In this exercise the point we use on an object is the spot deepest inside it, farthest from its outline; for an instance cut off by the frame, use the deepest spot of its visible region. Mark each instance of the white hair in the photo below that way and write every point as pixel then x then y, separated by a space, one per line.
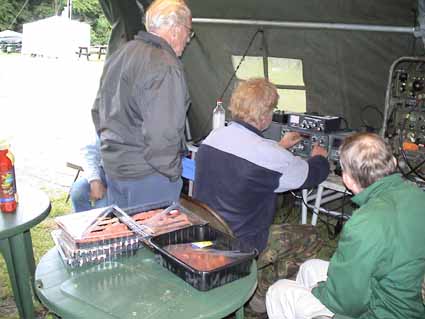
pixel 166 13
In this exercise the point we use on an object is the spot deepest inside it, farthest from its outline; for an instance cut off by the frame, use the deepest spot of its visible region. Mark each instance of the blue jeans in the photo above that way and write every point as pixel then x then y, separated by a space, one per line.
pixel 151 189
pixel 80 195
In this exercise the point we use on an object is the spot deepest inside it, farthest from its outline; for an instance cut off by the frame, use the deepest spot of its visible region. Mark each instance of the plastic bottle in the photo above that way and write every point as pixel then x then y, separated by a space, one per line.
pixel 8 195
pixel 219 115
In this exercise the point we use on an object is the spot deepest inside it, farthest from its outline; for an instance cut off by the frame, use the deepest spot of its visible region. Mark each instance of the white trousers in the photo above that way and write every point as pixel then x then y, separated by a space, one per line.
pixel 288 299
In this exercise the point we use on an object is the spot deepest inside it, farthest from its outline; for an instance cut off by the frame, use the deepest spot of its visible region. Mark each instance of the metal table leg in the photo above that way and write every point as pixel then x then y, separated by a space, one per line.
pixel 304 207
pixel 317 204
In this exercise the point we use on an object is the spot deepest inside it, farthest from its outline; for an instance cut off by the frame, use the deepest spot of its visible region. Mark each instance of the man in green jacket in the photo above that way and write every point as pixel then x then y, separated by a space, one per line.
pixel 377 269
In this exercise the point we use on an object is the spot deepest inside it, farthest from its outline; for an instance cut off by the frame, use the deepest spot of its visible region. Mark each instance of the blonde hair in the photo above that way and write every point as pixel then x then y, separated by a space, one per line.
pixel 253 99
pixel 366 157
pixel 166 13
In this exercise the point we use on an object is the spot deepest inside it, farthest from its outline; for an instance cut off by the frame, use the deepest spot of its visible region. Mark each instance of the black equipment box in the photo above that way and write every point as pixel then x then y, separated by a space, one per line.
pixel 329 141
pixel 316 123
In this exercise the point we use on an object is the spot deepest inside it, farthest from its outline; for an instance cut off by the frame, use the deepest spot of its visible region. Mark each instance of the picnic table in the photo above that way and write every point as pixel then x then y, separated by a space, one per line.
pixel 98 50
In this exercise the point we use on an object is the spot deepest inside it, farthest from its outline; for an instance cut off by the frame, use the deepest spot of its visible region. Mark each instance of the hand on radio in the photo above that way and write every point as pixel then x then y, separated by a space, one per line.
pixel 290 139
pixel 318 150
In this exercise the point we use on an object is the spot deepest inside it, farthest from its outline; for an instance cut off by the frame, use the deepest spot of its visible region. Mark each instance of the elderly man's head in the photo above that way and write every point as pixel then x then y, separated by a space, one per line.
pixel 253 102
pixel 365 159
pixel 172 21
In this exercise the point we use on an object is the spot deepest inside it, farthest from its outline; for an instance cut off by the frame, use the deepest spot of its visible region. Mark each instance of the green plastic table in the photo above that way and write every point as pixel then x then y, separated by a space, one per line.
pixel 134 287
pixel 16 245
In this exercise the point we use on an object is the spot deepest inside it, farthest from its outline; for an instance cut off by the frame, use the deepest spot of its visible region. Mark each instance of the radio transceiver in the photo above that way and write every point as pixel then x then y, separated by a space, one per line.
pixel 316 123
pixel 329 141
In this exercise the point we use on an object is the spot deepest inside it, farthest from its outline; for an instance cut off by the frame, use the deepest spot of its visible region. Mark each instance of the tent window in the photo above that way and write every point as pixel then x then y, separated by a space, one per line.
pixel 286 74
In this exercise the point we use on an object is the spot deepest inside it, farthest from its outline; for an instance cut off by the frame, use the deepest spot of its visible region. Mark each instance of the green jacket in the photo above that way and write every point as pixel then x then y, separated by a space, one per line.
pixel 377 269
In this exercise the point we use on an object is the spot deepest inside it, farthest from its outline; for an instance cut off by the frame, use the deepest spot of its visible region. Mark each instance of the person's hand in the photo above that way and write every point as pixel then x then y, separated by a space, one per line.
pixel 290 139
pixel 318 150
pixel 97 190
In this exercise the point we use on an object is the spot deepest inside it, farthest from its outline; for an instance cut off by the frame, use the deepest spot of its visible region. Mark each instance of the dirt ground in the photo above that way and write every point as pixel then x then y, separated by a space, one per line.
pixel 45 114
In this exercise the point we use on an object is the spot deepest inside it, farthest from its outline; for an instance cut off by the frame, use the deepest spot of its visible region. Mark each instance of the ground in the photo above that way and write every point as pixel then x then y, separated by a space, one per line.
pixel 45 114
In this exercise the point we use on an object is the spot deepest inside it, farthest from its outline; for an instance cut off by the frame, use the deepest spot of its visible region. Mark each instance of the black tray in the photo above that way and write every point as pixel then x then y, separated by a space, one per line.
pixel 203 280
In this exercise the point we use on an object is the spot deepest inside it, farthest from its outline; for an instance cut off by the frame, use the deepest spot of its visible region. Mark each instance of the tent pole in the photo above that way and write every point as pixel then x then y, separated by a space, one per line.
pixel 307 25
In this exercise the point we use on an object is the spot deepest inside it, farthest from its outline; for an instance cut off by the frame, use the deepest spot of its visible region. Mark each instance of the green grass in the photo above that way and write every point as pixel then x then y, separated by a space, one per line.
pixel 42 242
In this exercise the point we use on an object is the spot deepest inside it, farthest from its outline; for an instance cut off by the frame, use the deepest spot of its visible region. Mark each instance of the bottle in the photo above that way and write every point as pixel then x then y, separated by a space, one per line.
pixel 8 195
pixel 219 115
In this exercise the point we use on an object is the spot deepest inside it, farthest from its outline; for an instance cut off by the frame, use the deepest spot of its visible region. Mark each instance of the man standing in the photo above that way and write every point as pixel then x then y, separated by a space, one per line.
pixel 239 173
pixel 377 269
pixel 140 109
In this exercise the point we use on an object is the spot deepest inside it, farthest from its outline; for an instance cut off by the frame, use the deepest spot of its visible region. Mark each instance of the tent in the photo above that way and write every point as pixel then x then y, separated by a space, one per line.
pixel 55 37
pixel 10 36
pixel 345 49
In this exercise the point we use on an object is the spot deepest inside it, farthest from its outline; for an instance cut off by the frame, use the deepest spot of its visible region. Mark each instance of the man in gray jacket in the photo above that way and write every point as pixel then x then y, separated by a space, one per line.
pixel 140 109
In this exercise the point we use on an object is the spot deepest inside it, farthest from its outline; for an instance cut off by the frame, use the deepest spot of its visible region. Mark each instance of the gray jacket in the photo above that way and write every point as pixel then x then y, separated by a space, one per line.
pixel 140 110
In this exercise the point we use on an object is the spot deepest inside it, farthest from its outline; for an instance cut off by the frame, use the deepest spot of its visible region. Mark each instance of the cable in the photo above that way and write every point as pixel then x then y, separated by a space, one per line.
pixel 240 62
pixel 365 124
pixel 390 120
pixel 230 81
pixel 404 155
pixel 327 212
pixel 345 122
pixel 340 222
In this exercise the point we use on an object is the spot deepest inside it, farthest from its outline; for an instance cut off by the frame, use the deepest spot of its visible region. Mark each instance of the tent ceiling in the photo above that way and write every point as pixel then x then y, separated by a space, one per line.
pixel 343 70
pixel 389 12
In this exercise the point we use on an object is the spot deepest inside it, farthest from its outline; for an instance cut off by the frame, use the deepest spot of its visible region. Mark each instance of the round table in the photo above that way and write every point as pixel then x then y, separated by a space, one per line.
pixel 134 287
pixel 16 244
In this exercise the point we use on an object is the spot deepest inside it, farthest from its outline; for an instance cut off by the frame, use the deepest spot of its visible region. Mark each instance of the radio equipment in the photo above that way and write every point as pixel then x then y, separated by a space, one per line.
pixel 404 116
pixel 329 141
pixel 315 123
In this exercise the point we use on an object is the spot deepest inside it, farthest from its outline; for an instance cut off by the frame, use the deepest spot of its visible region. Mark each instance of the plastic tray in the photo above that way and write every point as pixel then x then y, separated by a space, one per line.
pixel 203 280
pixel 77 253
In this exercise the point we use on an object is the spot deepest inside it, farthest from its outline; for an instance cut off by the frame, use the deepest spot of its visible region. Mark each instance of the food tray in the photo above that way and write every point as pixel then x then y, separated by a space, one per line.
pixel 204 280
pixel 93 237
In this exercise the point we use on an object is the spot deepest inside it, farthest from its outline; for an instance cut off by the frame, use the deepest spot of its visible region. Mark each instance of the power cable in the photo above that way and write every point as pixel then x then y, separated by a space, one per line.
pixel 331 234
pixel 365 124
pixel 230 81
pixel 413 170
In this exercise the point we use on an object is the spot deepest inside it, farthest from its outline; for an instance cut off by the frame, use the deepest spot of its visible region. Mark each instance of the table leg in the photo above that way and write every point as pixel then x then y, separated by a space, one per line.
pixel 20 266
pixel 317 204
pixel 239 314
pixel 30 257
pixel 304 207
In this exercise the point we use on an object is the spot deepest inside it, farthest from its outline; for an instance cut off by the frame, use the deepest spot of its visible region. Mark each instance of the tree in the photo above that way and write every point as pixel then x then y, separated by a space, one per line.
pixel 91 12
pixel 14 13
pixel 25 11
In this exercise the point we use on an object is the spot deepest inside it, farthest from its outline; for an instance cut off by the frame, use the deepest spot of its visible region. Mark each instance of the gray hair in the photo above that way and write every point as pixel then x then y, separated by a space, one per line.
pixel 366 157
pixel 166 13
pixel 252 99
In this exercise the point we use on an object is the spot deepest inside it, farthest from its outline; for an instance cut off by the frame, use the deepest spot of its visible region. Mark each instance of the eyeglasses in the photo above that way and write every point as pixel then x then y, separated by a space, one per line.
pixel 191 33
